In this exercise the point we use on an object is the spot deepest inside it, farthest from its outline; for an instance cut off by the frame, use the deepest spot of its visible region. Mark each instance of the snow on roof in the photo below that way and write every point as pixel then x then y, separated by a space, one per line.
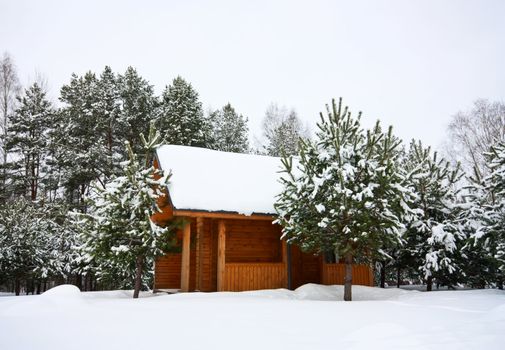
pixel 208 180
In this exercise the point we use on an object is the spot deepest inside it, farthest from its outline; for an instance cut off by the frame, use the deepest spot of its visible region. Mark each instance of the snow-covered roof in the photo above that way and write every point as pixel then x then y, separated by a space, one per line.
pixel 208 180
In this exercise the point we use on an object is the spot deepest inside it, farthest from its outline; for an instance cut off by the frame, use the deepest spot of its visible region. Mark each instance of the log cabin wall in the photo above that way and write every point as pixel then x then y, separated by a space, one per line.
pixel 247 241
pixel 252 242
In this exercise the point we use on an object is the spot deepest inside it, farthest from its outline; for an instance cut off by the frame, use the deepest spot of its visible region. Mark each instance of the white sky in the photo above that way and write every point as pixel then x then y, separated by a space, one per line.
pixel 411 64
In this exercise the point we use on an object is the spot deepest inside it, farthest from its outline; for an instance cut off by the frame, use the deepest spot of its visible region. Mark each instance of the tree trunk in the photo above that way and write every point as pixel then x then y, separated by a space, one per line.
pixel 78 281
pixel 348 277
pixel 499 282
pixel 17 286
pixel 138 276
pixel 398 277
pixel 383 274
pixel 429 284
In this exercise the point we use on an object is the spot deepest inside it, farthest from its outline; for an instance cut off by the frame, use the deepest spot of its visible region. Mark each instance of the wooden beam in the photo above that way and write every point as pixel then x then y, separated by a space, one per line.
pixel 285 261
pixel 221 255
pixel 322 266
pixel 284 251
pixel 186 240
pixel 222 215
pixel 199 240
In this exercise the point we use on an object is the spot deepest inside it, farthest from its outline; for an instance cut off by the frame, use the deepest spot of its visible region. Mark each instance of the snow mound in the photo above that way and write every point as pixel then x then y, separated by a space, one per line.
pixel 336 292
pixel 313 291
pixel 63 291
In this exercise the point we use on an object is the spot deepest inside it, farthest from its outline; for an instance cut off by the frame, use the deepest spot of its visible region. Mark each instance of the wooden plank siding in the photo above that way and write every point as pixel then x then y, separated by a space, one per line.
pixel 252 276
pixel 335 274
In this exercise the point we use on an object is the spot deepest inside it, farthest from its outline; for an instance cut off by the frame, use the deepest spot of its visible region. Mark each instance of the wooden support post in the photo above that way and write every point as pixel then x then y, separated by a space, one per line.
pixel 221 256
pixel 199 238
pixel 322 264
pixel 286 260
pixel 284 251
pixel 186 240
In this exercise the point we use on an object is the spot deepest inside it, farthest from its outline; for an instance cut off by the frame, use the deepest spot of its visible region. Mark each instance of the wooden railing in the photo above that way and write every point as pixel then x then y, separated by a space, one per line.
pixel 252 276
pixel 335 274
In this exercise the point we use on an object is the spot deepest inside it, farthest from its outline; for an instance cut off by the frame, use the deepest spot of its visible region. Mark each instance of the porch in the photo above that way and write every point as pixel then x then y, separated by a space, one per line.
pixel 245 253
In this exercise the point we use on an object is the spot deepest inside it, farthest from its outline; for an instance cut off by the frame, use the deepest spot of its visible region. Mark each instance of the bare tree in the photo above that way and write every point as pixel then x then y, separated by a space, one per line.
pixel 9 88
pixel 473 132
pixel 282 129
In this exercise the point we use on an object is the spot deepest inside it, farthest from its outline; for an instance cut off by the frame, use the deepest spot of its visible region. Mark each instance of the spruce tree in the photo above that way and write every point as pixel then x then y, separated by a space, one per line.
pixel 181 120
pixel 344 194
pixel 229 130
pixel 119 238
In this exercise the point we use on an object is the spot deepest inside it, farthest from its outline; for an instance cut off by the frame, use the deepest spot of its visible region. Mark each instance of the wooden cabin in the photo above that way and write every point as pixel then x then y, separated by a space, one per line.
pixel 229 242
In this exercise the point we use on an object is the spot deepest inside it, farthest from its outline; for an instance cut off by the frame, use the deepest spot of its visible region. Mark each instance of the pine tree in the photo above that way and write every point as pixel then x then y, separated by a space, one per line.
pixel 27 138
pixel 138 107
pixel 107 115
pixel 181 120
pixel 229 130
pixel 87 137
pixel 120 239
pixel 27 246
pixel 9 89
pixel 433 237
pixel 82 155
pixel 485 219
pixel 345 195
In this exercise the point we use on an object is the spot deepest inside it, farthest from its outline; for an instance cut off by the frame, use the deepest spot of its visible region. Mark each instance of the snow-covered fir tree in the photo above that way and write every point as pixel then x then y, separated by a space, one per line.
pixel 28 140
pixel 344 194
pixel 119 238
pixel 181 120
pixel 282 130
pixel 229 130
pixel 433 237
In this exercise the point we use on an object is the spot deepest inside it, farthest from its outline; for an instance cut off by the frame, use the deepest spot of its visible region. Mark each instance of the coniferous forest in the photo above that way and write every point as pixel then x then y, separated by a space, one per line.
pixel 75 180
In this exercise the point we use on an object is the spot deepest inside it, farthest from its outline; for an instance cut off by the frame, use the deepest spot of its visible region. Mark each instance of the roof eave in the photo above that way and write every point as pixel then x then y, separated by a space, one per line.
pixel 222 214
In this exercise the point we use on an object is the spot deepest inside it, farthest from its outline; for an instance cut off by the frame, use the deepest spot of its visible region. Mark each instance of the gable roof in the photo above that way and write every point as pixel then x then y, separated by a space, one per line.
pixel 208 180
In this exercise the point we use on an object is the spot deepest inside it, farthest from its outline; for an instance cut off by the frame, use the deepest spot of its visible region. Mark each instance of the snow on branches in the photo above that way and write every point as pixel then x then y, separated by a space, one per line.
pixel 346 194
pixel 120 239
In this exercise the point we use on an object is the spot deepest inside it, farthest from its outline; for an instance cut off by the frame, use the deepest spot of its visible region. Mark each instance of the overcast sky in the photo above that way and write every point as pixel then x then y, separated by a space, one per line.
pixel 412 64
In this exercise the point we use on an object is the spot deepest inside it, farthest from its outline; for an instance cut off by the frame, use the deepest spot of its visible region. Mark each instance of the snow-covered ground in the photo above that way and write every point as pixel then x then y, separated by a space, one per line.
pixel 312 317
